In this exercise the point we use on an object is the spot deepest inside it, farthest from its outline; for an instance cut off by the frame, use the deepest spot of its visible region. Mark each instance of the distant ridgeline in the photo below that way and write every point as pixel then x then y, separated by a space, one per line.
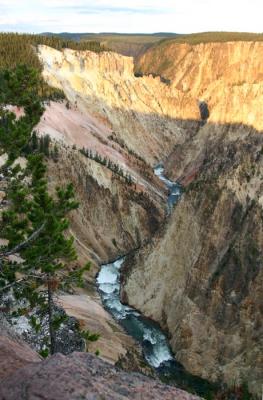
pixel 215 37
pixel 18 50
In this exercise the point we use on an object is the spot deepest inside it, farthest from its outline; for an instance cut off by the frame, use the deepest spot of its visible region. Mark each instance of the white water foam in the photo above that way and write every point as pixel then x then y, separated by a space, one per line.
pixel 108 274
pixel 109 286
pixel 160 350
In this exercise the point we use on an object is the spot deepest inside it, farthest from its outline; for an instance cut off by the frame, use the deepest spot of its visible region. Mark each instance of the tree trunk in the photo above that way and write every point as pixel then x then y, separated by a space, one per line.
pixel 52 333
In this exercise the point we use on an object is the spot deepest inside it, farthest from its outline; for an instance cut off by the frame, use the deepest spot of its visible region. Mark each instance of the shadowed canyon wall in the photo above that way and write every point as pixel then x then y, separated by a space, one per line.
pixel 202 277
pixel 113 217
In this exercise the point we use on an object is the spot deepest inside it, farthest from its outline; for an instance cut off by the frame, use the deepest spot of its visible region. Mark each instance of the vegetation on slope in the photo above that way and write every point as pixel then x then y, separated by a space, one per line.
pixel 17 49
pixel 115 168
pixel 20 50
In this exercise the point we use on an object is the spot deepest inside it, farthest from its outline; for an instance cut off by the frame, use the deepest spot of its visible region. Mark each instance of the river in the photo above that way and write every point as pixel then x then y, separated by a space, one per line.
pixel 148 334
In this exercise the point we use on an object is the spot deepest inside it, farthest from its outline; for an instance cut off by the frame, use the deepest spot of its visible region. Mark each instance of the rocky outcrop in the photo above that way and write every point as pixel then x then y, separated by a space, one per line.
pixel 14 353
pixel 73 377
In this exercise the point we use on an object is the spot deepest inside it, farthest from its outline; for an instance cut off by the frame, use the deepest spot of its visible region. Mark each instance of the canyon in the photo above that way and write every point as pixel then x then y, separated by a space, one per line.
pixel 197 272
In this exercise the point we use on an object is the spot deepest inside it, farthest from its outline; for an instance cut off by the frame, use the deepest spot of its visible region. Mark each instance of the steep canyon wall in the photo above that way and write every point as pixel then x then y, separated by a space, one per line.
pixel 200 278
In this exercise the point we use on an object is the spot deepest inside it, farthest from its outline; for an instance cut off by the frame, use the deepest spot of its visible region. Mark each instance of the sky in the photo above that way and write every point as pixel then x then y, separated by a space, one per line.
pixel 144 16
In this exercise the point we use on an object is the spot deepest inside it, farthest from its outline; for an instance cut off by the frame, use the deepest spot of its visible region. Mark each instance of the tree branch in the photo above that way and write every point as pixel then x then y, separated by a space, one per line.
pixel 11 285
pixel 24 244
pixel 20 281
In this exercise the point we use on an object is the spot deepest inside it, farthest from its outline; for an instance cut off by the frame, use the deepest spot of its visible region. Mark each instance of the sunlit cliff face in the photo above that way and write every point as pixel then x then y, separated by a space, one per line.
pixel 151 116
pixel 109 79
pixel 227 76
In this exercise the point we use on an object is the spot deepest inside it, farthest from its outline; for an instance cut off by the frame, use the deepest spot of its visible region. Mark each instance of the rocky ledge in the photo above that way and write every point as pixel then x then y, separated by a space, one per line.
pixel 73 377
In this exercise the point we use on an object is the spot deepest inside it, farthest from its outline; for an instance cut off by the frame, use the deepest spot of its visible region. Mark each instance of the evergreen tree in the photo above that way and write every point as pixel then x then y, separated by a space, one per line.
pixel 46 145
pixel 41 145
pixel 34 142
pixel 34 224
pixel 18 49
pixel 55 154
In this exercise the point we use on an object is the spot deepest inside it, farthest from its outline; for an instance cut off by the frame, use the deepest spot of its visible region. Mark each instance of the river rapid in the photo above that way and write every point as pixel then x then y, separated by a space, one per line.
pixel 154 342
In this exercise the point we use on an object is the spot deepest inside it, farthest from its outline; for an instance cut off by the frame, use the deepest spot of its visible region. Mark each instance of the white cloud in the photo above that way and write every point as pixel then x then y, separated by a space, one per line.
pixel 182 16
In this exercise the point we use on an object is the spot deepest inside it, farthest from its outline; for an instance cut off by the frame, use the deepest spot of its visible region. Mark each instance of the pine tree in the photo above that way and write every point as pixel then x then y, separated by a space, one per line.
pixel 46 144
pixel 41 145
pixel 55 154
pixel 35 223
pixel 34 141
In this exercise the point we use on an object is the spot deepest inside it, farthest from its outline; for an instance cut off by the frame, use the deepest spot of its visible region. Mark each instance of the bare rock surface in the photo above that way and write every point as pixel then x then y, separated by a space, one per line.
pixel 14 353
pixel 13 356
pixel 83 376
pixel 113 342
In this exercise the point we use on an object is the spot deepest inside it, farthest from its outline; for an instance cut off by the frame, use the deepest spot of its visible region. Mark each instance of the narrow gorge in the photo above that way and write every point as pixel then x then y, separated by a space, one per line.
pixel 165 154
pixel 198 273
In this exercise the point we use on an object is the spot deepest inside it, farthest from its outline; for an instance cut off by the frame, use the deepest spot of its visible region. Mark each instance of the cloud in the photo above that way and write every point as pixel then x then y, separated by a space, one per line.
pixel 103 9
pixel 131 16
